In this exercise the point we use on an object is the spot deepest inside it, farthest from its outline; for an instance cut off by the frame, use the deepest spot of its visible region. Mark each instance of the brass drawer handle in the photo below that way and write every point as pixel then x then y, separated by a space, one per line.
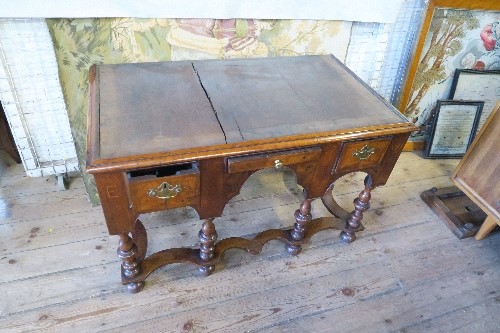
pixel 364 153
pixel 278 164
pixel 165 191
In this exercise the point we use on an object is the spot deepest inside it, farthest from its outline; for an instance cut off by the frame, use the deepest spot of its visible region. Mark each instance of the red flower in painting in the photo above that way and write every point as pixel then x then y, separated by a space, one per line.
pixel 487 37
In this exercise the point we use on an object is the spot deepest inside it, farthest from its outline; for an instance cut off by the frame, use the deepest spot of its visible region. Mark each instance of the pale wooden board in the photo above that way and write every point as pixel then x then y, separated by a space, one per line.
pixel 34 186
pixel 415 309
pixel 106 260
pixel 57 231
pixel 478 174
pixel 406 267
pixel 320 294
pixel 264 270
pixel 239 219
pixel 178 300
pixel 97 247
pixel 60 203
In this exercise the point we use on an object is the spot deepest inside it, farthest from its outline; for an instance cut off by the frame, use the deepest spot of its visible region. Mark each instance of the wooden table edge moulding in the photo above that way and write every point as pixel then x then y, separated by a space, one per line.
pixel 189 133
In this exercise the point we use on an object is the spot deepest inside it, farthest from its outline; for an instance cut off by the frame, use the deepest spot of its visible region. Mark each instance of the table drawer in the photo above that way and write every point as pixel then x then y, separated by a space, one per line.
pixel 272 160
pixel 359 155
pixel 152 192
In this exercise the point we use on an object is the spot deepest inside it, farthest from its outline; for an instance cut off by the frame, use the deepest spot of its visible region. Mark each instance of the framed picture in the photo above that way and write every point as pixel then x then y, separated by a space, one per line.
pixel 455 34
pixel 453 128
pixel 483 85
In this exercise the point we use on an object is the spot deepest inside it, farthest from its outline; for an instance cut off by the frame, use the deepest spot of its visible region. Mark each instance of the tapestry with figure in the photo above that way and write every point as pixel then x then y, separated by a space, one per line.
pixel 79 43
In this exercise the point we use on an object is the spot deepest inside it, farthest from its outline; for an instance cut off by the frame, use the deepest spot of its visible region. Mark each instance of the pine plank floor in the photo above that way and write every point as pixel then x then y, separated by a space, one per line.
pixel 405 273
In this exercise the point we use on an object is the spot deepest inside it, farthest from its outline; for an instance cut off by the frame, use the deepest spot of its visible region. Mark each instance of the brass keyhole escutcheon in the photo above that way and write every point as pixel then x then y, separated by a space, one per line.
pixel 364 153
pixel 165 191
pixel 278 164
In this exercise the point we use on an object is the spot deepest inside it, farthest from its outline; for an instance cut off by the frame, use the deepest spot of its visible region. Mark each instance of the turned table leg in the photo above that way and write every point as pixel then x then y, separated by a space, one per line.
pixel 302 216
pixel 361 203
pixel 127 252
pixel 208 237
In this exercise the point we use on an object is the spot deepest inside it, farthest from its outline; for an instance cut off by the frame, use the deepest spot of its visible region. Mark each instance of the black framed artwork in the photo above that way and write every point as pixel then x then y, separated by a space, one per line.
pixel 453 127
pixel 482 85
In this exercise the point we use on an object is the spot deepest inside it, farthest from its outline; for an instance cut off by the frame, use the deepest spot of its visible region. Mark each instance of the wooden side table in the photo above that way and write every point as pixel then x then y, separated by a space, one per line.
pixel 174 134
pixel 478 173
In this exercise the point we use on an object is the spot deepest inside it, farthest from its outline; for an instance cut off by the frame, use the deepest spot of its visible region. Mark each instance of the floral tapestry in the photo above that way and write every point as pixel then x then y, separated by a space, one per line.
pixel 79 43
pixel 457 39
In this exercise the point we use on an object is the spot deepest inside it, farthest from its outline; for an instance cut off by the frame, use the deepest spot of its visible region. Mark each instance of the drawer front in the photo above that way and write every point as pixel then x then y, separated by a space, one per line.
pixel 359 155
pixel 160 193
pixel 272 160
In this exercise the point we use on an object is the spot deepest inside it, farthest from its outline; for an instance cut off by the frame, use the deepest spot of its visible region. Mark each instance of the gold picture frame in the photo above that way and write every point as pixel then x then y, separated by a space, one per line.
pixel 404 100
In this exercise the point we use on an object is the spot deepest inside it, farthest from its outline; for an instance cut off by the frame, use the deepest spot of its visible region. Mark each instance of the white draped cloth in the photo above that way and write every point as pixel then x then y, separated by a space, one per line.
pixel 377 11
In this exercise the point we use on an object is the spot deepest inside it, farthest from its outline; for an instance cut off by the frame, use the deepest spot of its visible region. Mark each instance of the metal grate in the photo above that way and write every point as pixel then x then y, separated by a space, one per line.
pixel 32 99
pixel 379 53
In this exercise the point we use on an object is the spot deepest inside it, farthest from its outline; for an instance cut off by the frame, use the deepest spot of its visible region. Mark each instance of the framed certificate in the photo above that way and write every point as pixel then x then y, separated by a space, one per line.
pixel 482 85
pixel 453 127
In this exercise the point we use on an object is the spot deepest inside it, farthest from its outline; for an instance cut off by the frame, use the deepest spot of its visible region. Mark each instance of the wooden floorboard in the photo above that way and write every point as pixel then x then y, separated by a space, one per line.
pixel 406 272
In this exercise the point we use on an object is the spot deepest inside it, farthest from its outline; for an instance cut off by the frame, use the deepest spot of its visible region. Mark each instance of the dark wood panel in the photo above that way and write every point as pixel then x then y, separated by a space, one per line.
pixel 272 97
pixel 274 159
pixel 357 155
pixel 6 140
pixel 147 196
pixel 113 192
pixel 162 104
